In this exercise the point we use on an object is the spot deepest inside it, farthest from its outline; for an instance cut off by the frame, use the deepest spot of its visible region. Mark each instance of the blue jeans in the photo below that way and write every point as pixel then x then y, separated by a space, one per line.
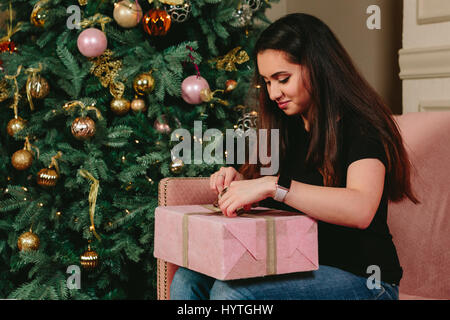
pixel 326 283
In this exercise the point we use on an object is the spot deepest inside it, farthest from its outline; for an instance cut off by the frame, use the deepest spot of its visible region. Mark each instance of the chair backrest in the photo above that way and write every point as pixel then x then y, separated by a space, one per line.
pixel 421 232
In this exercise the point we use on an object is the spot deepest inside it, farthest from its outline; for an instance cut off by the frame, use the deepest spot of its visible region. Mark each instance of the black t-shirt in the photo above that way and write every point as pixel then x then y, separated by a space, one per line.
pixel 349 249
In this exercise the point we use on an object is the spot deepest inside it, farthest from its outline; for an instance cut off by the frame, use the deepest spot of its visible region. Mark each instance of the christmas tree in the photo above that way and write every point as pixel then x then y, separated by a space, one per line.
pixel 90 92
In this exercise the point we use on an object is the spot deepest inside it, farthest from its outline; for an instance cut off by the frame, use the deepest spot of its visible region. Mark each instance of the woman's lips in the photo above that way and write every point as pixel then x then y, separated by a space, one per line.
pixel 283 105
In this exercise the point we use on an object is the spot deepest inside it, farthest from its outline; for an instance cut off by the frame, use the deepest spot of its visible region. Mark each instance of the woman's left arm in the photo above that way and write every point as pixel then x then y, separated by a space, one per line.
pixel 353 206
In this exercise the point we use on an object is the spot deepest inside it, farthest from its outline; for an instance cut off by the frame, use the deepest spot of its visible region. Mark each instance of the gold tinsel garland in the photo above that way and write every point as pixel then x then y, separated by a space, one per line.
pixel 105 68
pixel 228 62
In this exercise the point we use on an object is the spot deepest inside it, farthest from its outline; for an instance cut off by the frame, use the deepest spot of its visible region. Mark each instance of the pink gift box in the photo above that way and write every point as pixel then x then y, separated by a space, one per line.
pixel 258 243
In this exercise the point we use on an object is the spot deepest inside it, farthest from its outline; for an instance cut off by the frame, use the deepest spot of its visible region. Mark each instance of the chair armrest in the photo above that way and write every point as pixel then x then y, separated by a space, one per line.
pixel 172 192
pixel 185 191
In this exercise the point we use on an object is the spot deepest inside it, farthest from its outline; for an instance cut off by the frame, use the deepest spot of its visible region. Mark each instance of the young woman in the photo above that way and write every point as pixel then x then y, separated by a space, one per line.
pixel 341 160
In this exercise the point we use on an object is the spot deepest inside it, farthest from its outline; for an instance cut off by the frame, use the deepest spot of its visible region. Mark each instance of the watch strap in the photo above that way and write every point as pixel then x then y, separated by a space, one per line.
pixel 280 193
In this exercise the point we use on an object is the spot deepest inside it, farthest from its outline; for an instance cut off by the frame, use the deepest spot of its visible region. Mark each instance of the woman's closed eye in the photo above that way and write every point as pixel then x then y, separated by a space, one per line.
pixel 285 80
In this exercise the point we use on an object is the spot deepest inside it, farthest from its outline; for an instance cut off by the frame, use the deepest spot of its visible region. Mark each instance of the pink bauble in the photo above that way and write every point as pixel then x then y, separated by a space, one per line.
pixel 92 42
pixel 191 88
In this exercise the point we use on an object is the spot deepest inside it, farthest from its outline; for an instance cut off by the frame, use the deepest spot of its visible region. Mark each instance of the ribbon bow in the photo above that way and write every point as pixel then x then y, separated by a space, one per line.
pixel 10 30
pixel 72 104
pixel 97 18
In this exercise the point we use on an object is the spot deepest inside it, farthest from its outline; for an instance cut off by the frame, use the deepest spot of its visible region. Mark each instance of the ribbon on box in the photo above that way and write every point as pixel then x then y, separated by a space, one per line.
pixel 271 254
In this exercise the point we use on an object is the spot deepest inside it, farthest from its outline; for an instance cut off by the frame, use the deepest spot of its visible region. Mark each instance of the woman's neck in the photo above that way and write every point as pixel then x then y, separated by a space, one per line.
pixel 305 121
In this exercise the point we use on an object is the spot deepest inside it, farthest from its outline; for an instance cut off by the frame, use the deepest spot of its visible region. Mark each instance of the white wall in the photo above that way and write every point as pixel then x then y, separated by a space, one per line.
pixel 425 56
pixel 375 52
pixel 278 10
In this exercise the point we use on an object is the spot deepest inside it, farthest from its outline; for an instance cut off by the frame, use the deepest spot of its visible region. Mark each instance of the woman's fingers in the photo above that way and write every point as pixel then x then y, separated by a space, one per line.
pixel 220 182
pixel 212 182
pixel 223 178
pixel 230 176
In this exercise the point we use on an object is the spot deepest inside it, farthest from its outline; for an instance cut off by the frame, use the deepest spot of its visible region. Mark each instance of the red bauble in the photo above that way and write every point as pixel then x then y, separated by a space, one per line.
pixel 156 22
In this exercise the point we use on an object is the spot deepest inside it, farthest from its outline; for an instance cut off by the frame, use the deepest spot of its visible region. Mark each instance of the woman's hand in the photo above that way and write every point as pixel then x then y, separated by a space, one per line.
pixel 223 178
pixel 244 193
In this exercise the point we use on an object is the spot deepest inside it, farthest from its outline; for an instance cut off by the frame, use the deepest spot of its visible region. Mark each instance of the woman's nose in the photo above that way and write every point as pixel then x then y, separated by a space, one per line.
pixel 275 92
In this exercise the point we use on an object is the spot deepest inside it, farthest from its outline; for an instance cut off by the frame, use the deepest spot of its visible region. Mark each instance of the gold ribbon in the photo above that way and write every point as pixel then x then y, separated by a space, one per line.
pixel 97 18
pixel 4 93
pixel 228 61
pixel 54 163
pixel 32 77
pixel 16 93
pixel 92 199
pixel 72 104
pixel 10 30
pixel 271 248
pixel 28 146
pixel 169 2
pixel 116 89
pixel 207 95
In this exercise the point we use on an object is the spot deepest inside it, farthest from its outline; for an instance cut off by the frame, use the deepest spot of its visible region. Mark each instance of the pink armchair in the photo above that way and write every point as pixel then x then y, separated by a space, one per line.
pixel 421 232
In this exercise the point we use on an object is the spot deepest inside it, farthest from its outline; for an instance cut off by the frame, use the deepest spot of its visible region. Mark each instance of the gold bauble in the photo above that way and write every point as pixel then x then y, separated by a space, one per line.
pixel 144 84
pixel 38 16
pixel 120 106
pixel 22 159
pixel 83 128
pixel 47 177
pixel 28 241
pixel 38 87
pixel 176 166
pixel 138 105
pixel 15 125
pixel 127 14
pixel 89 259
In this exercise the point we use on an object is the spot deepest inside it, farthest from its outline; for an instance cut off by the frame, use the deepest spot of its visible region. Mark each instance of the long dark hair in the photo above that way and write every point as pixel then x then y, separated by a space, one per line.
pixel 337 90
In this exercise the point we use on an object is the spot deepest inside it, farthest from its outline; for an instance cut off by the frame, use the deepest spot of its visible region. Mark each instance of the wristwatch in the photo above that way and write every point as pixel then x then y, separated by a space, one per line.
pixel 282 188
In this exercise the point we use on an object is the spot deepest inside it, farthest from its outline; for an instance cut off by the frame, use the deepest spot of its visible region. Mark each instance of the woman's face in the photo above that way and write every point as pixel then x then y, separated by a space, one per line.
pixel 285 82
